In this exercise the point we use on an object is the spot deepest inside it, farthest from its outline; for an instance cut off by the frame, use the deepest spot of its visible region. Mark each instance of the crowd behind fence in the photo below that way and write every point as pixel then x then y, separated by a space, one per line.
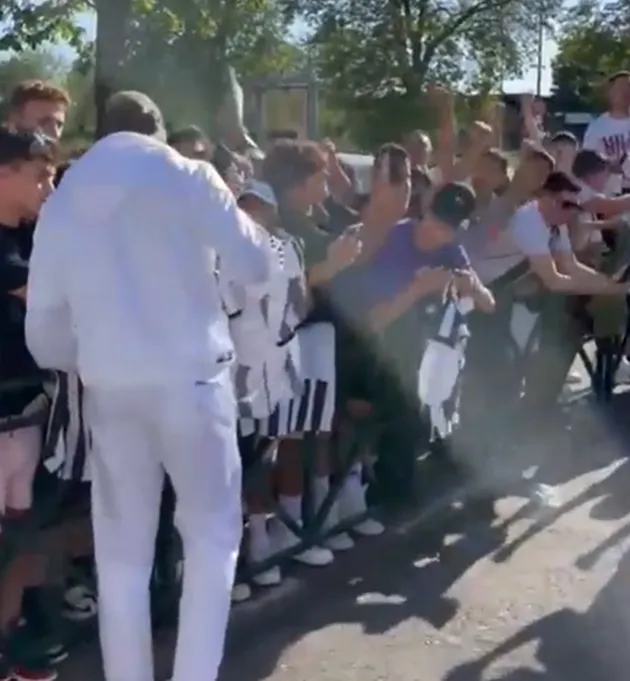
pixel 494 345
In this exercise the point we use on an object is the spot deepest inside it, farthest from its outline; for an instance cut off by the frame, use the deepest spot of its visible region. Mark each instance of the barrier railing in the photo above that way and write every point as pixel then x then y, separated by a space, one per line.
pixel 358 437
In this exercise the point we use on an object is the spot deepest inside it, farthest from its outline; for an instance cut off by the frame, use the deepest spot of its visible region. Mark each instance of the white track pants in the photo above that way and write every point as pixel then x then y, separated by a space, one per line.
pixel 190 432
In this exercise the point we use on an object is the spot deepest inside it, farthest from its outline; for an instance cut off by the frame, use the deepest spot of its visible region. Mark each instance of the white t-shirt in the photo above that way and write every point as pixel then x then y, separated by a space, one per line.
pixel 611 137
pixel 533 237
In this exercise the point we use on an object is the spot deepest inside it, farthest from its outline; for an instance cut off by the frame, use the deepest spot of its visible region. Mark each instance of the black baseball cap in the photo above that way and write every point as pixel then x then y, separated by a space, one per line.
pixel 132 111
pixel 453 204
pixel 16 146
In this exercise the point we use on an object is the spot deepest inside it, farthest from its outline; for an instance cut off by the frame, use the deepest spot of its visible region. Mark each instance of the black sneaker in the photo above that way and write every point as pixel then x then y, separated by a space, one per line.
pixel 56 653
pixel 79 603
pixel 6 672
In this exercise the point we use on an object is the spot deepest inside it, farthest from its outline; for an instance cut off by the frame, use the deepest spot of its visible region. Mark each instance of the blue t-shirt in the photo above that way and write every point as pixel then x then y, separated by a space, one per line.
pixel 359 288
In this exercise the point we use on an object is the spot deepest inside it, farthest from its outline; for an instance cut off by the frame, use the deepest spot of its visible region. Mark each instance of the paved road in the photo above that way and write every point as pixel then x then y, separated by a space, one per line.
pixel 449 597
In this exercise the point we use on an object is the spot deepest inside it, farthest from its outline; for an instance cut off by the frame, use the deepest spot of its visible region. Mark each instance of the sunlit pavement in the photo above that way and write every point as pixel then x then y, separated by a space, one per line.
pixel 446 595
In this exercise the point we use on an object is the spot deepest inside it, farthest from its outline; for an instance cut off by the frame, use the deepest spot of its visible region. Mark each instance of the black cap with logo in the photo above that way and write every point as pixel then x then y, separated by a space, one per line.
pixel 453 204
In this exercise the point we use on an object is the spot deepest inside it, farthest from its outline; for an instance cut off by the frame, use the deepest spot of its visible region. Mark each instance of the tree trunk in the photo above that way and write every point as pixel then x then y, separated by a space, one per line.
pixel 112 18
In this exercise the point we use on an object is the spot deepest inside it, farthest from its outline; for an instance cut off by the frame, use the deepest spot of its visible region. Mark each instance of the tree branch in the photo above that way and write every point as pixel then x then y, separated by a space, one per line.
pixel 458 22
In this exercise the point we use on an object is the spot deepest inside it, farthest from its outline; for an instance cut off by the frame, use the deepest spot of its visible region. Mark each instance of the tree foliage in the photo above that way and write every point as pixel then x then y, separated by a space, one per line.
pixel 28 24
pixel 177 50
pixel 593 44
pixel 376 56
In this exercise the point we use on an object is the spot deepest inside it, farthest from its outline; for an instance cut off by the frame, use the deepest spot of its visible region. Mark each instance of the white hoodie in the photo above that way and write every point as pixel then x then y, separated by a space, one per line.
pixel 121 285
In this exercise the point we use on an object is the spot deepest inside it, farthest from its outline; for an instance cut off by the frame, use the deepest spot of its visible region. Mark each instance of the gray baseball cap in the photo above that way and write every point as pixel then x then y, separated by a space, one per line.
pixel 131 111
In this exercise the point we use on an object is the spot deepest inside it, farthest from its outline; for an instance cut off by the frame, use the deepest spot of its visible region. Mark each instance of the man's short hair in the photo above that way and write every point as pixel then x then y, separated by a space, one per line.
pixel 190 133
pixel 131 111
pixel 21 146
pixel 289 163
pixel 36 91
pixel 588 162
pixel 558 182
pixel 564 137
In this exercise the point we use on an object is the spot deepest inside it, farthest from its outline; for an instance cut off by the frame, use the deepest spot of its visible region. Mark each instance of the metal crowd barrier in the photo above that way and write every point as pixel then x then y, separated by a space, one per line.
pixel 18 535
pixel 346 451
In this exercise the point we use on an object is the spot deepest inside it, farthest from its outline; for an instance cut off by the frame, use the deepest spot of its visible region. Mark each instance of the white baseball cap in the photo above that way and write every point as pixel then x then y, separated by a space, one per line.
pixel 260 190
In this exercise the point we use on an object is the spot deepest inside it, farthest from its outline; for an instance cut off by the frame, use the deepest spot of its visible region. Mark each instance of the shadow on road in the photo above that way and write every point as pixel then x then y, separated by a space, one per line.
pixel 385 583
pixel 404 575
pixel 572 646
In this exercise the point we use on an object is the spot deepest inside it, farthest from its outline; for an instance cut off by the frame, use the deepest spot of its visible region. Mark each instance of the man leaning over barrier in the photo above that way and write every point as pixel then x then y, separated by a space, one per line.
pixel 122 291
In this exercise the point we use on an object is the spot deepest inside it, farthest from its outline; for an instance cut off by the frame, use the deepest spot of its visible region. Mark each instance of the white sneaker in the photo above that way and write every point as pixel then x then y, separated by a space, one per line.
pixel 282 539
pixel 258 550
pixel 370 527
pixel 270 577
pixel 241 592
pixel 351 503
pixel 574 377
pixel 337 542
pixel 622 374
pixel 340 542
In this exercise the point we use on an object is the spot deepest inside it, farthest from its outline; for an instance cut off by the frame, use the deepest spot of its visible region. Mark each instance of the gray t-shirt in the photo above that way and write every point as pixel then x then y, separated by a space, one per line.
pixel 490 246
pixel 532 235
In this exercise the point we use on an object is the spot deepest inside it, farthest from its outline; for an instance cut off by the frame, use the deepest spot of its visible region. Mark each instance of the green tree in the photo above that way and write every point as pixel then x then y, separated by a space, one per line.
pixel 202 37
pixel 31 64
pixel 593 44
pixel 176 48
pixel 376 56
pixel 28 24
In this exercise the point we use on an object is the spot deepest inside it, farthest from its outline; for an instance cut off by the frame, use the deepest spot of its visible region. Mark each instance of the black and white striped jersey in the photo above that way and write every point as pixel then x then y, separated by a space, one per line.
pixel 262 322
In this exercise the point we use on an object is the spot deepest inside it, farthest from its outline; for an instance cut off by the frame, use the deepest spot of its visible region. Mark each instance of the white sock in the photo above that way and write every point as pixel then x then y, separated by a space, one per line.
pixel 257 524
pixel 258 539
pixel 321 485
pixel 292 505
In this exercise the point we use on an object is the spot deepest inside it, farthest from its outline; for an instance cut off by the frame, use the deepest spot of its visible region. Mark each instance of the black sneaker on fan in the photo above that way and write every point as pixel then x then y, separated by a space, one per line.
pixel 56 653
pixel 79 603
pixel 6 672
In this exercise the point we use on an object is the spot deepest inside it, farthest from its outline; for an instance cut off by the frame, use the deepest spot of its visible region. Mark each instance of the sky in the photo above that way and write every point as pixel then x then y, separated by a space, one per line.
pixel 525 84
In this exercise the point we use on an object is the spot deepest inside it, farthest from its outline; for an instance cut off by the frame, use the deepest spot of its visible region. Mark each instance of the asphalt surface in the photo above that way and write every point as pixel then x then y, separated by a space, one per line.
pixel 448 595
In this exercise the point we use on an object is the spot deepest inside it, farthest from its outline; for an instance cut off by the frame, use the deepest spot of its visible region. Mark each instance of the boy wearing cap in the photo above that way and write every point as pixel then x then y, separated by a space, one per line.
pixel 263 324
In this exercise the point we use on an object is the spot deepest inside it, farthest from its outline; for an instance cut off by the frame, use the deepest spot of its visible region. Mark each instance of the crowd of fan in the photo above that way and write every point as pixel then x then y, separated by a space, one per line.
pixel 385 294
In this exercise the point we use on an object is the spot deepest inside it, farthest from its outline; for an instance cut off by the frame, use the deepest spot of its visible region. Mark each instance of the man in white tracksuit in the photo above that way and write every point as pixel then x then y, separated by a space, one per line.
pixel 122 290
